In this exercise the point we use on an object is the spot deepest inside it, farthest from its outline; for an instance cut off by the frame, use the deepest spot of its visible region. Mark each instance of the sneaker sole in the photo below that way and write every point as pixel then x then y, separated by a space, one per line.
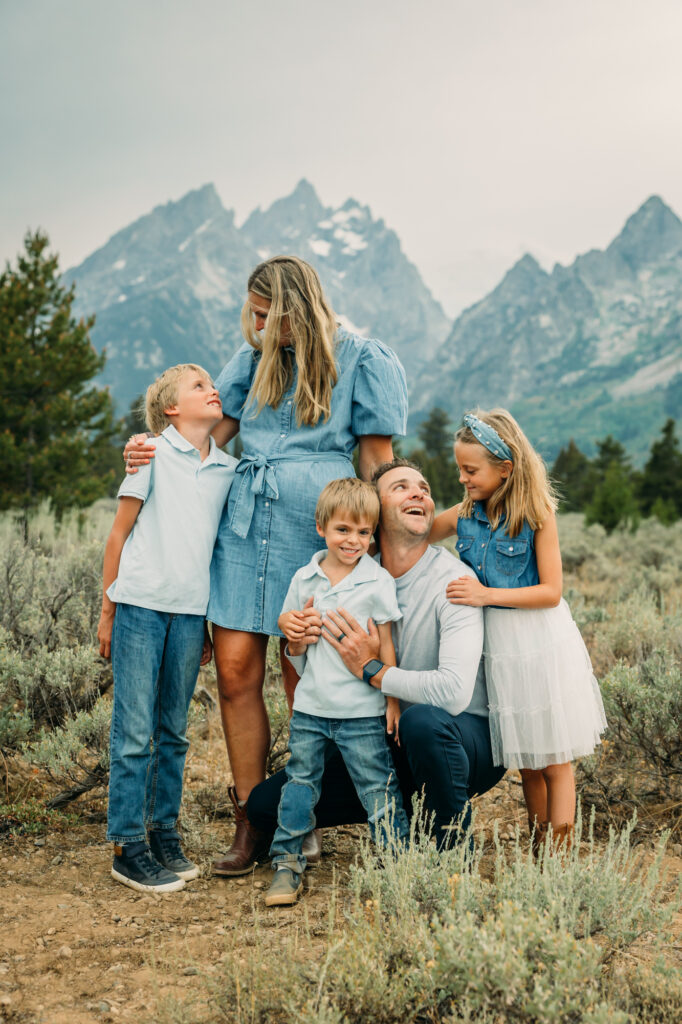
pixel 188 874
pixel 141 887
pixel 283 899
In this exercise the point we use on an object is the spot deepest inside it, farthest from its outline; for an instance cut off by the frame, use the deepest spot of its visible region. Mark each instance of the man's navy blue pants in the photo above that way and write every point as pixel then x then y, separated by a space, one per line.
pixel 447 757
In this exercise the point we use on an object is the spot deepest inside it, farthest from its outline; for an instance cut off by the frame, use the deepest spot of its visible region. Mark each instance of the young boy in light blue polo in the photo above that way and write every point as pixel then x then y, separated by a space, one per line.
pixel 156 584
pixel 332 706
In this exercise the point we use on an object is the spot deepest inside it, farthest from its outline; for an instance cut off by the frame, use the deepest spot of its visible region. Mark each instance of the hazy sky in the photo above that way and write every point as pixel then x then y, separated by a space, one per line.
pixel 478 130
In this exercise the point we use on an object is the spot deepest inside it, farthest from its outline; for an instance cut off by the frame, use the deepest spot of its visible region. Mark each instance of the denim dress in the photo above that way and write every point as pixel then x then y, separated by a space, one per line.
pixel 545 705
pixel 267 530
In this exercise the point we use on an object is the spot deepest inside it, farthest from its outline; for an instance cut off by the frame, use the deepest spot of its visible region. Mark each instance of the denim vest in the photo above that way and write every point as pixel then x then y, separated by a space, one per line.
pixel 497 559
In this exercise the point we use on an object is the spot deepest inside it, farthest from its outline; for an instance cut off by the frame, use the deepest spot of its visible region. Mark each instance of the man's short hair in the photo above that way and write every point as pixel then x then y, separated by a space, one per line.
pixel 164 393
pixel 355 497
pixel 396 463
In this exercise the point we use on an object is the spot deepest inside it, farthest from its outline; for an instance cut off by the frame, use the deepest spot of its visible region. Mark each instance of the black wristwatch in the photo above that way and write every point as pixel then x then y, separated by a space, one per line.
pixel 371 668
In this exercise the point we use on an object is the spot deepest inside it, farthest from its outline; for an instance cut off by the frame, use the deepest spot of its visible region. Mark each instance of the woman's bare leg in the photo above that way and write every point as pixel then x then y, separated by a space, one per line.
pixel 240 665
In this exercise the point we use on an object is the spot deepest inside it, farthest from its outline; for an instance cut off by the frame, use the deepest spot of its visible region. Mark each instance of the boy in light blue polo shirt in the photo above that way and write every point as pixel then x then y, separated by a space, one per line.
pixel 156 583
pixel 332 706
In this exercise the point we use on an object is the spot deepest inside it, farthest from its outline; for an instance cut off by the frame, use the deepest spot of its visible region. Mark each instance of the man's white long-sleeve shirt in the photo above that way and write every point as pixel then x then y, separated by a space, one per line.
pixel 438 645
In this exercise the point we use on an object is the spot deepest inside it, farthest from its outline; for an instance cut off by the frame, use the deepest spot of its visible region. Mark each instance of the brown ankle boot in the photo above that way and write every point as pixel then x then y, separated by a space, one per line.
pixel 249 844
pixel 538 831
pixel 562 837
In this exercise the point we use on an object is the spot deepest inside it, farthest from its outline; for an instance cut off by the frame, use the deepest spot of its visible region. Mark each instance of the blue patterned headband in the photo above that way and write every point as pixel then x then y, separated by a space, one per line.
pixel 488 437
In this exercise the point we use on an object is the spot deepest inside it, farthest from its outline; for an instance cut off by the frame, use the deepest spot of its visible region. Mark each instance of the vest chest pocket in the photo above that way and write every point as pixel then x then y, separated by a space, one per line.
pixel 511 557
pixel 463 546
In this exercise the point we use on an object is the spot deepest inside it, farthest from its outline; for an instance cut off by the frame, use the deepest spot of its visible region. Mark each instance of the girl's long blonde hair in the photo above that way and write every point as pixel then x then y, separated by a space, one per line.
pixel 527 493
pixel 293 290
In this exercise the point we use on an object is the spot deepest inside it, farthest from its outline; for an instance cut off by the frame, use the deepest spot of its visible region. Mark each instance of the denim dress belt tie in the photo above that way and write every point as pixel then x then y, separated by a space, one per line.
pixel 258 477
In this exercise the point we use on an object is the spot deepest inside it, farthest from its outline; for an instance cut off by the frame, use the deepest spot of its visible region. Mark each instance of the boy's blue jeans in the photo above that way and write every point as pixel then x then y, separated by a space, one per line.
pixel 364 749
pixel 155 658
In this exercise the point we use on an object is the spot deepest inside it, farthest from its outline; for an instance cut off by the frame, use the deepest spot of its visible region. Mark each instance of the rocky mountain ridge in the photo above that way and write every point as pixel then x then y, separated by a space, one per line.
pixel 588 349
pixel 169 288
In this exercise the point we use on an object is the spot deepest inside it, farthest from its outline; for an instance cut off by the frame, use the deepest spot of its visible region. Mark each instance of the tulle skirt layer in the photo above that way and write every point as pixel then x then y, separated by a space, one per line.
pixel 545 704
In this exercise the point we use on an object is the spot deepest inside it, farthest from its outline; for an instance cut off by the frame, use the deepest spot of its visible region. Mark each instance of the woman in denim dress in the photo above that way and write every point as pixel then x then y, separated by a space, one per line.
pixel 302 392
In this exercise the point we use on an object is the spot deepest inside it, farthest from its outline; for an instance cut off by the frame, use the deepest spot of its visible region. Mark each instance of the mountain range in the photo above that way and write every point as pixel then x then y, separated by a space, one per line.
pixel 586 350
pixel 169 288
pixel 581 351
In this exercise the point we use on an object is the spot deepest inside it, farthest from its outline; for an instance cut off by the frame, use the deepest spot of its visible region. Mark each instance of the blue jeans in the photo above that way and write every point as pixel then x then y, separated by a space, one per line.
pixel 363 747
pixel 448 757
pixel 155 658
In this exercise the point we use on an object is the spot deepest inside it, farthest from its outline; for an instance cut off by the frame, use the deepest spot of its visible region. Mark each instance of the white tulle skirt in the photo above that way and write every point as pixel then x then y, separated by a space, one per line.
pixel 545 704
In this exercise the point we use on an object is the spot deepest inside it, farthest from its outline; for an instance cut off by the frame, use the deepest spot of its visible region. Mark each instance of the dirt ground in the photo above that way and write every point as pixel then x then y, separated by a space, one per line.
pixel 76 947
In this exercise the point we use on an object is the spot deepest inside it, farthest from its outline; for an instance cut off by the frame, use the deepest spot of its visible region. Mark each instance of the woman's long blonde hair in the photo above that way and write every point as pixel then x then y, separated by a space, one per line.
pixel 293 290
pixel 527 493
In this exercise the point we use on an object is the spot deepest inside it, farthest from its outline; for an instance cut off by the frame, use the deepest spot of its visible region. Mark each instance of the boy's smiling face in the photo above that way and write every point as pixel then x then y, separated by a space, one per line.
pixel 197 399
pixel 347 539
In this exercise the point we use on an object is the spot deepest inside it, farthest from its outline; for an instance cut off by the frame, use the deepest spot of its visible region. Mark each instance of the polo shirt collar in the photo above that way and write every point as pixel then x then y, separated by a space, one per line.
pixel 175 438
pixel 365 571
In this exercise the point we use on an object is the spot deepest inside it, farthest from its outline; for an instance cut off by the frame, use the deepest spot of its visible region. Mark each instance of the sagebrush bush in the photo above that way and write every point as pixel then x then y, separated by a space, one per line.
pixel 428 936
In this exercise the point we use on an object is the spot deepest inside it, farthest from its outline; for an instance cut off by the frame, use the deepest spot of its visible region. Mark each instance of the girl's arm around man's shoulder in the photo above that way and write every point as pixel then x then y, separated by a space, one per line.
pixel 445 524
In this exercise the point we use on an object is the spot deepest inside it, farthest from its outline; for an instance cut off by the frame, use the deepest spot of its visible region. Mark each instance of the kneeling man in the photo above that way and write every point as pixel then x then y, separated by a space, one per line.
pixel 444 736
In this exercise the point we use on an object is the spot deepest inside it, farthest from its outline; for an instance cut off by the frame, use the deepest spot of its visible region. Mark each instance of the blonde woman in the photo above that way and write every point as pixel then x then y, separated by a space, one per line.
pixel 302 392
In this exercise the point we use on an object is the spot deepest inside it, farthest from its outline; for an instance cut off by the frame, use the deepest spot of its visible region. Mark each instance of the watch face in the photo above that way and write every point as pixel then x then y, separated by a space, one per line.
pixel 372 667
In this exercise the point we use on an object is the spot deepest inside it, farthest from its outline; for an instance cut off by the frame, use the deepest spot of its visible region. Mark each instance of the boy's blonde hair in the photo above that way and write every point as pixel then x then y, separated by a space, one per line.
pixel 527 493
pixel 293 290
pixel 164 393
pixel 359 499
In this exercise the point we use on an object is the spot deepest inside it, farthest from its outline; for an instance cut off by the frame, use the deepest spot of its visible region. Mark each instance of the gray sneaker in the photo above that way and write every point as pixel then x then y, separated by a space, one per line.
pixel 137 867
pixel 284 888
pixel 165 845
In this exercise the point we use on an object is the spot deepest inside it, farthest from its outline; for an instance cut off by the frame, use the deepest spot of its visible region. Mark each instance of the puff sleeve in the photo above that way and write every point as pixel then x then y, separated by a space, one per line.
pixel 235 379
pixel 379 393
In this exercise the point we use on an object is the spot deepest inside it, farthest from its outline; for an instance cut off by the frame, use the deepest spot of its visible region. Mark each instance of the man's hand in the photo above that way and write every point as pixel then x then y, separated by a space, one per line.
pixel 346 636
pixel 467 590
pixel 137 452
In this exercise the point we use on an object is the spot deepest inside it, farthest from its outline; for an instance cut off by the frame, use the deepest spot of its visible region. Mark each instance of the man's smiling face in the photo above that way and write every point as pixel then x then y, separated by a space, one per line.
pixel 406 504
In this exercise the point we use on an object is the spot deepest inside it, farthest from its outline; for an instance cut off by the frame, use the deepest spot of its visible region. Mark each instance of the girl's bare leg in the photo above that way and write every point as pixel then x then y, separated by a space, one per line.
pixel 560 783
pixel 535 794
pixel 240 665
pixel 289 675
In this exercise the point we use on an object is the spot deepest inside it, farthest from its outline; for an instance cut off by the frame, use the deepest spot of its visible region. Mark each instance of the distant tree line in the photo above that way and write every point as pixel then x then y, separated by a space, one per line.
pixel 609 491
pixel 606 488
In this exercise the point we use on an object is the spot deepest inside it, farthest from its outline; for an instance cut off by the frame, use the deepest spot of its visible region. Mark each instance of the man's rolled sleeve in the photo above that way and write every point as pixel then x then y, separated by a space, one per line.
pixel 451 684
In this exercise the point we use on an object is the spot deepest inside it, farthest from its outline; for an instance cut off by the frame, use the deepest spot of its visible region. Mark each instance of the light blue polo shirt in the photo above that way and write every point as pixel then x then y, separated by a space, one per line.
pixel 327 688
pixel 166 559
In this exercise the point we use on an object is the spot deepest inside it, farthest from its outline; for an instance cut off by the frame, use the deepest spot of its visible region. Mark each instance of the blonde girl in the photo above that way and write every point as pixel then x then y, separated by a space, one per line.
pixel 302 392
pixel 545 705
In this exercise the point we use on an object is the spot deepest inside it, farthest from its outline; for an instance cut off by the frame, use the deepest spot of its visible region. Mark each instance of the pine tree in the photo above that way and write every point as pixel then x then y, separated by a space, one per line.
pixel 614 500
pixel 55 426
pixel 574 477
pixel 662 477
pixel 436 457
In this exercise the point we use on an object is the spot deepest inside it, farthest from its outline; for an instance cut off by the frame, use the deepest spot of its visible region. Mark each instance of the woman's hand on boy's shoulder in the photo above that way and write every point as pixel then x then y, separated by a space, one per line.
pixel 137 452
